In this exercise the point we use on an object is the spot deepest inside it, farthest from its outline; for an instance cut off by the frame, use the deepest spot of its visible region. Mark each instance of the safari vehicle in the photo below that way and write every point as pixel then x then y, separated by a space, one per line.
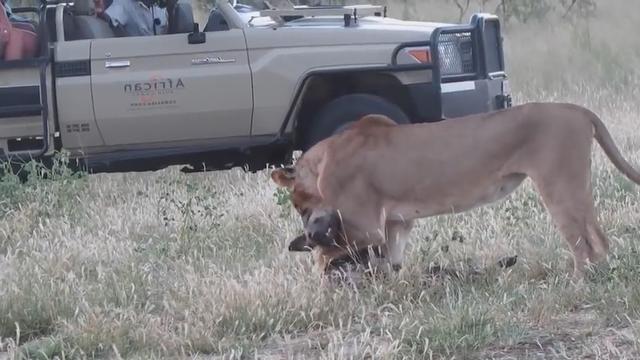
pixel 249 88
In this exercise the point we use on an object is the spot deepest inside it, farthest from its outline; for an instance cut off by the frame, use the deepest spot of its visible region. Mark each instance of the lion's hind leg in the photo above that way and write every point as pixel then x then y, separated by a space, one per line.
pixel 569 200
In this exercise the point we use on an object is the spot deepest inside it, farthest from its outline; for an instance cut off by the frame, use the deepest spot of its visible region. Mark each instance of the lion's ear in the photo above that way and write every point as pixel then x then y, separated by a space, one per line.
pixel 300 244
pixel 284 177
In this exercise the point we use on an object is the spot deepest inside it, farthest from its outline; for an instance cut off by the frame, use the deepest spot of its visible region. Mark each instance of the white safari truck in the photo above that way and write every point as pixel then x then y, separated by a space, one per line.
pixel 247 88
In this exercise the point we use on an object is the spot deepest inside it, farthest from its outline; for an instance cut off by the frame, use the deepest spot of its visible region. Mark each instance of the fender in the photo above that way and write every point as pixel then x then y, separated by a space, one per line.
pixel 376 68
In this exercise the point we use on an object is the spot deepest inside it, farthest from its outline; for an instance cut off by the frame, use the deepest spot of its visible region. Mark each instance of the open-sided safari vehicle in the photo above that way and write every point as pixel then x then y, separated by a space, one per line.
pixel 248 88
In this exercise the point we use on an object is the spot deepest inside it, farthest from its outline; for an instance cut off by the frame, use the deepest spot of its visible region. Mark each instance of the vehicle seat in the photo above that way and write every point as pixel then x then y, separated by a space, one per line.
pixel 182 19
pixel 86 25
pixel 17 41
pixel 217 22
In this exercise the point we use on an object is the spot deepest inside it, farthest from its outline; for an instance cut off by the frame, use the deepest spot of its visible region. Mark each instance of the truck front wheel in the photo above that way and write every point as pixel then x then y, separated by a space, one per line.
pixel 337 114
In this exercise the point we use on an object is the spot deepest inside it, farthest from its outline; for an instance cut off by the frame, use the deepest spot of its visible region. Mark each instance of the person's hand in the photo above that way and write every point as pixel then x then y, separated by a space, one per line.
pixel 99 6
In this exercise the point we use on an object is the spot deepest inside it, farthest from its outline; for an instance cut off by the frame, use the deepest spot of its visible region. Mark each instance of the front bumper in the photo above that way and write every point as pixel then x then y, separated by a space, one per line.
pixel 458 99
pixel 474 96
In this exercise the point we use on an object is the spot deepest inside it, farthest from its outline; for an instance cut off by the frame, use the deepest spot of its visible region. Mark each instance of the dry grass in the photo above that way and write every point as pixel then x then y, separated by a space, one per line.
pixel 166 265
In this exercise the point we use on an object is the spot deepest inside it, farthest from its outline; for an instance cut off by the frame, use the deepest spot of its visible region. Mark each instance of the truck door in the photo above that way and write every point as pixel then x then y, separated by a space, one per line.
pixel 150 89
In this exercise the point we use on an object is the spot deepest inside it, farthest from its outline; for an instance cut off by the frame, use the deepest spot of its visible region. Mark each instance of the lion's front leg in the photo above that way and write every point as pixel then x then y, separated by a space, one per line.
pixel 397 238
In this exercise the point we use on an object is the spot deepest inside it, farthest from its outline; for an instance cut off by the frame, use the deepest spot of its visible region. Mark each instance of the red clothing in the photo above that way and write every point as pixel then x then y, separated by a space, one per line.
pixel 17 41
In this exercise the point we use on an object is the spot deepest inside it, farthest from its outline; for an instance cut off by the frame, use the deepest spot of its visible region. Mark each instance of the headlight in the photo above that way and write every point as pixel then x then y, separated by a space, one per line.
pixel 455 54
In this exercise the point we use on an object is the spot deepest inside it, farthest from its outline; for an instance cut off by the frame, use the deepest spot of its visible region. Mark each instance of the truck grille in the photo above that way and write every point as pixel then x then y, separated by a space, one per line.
pixel 456 54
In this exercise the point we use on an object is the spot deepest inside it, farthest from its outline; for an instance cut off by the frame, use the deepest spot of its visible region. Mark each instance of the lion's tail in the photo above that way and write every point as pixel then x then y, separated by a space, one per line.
pixel 609 147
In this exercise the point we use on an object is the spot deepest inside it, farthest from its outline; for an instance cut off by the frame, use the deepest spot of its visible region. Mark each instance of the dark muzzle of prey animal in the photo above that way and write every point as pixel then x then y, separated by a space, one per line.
pixel 323 227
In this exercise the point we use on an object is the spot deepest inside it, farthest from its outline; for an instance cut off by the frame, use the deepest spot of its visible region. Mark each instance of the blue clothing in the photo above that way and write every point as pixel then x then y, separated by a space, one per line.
pixel 12 16
pixel 136 18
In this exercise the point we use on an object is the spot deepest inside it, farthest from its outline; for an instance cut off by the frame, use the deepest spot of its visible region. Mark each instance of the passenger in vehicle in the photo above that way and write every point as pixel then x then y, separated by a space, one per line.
pixel 5 29
pixel 101 5
pixel 8 11
pixel 18 40
pixel 18 21
pixel 136 17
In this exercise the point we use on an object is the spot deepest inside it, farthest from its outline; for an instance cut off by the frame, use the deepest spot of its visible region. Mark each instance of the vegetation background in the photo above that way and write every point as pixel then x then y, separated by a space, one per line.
pixel 159 265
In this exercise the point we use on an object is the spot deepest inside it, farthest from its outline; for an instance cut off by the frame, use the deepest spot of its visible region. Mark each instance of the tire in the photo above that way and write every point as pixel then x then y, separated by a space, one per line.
pixel 337 114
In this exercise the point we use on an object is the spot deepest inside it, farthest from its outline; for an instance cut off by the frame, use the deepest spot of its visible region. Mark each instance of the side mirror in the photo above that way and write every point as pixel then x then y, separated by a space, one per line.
pixel 197 37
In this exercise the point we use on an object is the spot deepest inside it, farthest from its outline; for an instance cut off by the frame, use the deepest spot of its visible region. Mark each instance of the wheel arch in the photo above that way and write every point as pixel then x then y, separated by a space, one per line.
pixel 319 87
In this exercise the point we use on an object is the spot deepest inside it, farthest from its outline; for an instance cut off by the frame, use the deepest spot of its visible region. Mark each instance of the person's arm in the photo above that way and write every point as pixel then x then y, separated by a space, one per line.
pixel 170 8
pixel 116 15
pixel 7 9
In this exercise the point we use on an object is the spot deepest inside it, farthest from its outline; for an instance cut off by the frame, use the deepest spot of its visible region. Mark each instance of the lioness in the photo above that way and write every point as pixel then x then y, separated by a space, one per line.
pixel 366 185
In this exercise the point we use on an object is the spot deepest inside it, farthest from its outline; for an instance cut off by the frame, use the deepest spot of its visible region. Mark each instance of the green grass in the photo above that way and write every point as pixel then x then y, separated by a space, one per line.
pixel 167 265
pixel 170 265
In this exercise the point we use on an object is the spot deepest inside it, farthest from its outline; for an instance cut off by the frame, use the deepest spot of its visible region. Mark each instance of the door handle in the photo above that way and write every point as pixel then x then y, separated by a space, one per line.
pixel 117 64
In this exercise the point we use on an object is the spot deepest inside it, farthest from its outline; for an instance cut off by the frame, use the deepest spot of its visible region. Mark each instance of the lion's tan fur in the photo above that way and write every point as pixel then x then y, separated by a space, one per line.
pixel 381 176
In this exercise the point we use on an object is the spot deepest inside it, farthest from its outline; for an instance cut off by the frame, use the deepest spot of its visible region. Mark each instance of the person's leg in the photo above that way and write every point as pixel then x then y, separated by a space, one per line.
pixel 22 45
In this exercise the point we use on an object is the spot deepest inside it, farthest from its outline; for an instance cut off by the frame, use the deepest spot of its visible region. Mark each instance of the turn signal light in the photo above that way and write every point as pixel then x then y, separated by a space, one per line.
pixel 421 55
